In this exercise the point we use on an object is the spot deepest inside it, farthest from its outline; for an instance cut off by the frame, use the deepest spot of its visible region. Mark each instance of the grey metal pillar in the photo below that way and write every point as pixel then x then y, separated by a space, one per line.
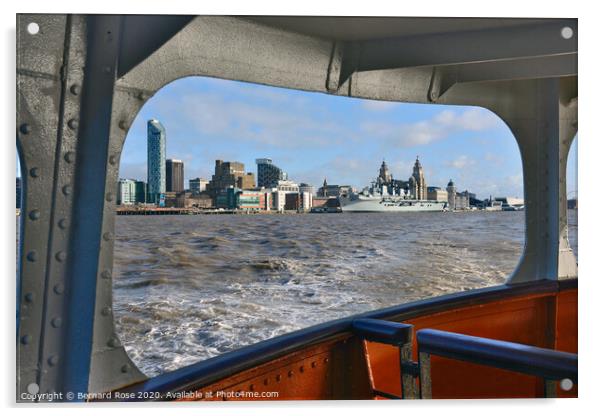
pixel 544 128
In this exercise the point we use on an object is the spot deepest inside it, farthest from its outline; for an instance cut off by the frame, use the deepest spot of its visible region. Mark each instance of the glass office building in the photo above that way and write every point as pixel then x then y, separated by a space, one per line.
pixel 156 146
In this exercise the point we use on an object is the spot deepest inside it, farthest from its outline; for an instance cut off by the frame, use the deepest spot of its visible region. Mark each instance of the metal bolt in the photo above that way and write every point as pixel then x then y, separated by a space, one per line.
pixel 34 214
pixel 67 189
pixel 56 322
pixel 290 373
pixel 59 288
pixel 123 125
pixel 106 274
pixel 566 32
pixel 32 256
pixel 113 160
pixel 73 123
pixel 278 377
pixel 108 236
pixel 113 342
pixel 63 223
pixel 34 172
pixel 61 256
pixel 29 297
pixel 70 157
pixel 109 197
pixel 53 360
pixel 106 311
pixel 75 89
pixel 25 128
pixel 125 368
pixel 26 339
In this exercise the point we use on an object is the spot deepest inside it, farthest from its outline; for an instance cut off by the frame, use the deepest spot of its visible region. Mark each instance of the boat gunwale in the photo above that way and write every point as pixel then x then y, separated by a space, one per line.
pixel 202 373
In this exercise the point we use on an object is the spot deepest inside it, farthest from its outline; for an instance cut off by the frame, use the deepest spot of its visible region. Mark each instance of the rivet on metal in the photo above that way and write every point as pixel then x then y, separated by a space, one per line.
pixel 108 236
pixel 70 157
pixel 34 172
pixel 29 297
pixel 325 360
pixel 113 160
pixel 25 128
pixel 109 197
pixel 278 377
pixel 290 373
pixel 33 388
pixel 313 364
pixel 56 322
pixel 122 124
pixel 63 223
pixel 67 189
pixel 25 339
pixel 113 342
pixel 301 369
pixel 125 368
pixel 75 89
pixel 34 214
pixel 73 123
pixel 32 256
pixel 106 311
pixel 59 288
pixel 106 274
pixel 61 256
pixel 53 360
pixel 566 32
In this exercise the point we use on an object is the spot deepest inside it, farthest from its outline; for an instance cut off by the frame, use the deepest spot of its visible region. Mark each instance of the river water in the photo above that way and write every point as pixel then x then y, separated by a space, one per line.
pixel 187 288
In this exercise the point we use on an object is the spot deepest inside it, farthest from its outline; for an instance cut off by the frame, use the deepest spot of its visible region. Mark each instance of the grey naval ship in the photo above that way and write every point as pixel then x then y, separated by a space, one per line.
pixel 386 194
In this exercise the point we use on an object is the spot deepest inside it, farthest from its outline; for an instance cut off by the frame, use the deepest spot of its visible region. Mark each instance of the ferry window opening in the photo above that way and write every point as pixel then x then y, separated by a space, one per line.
pixel 283 163
pixel 572 196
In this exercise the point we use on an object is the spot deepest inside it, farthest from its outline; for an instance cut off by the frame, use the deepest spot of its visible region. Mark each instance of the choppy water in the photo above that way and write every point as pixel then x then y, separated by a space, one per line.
pixel 187 288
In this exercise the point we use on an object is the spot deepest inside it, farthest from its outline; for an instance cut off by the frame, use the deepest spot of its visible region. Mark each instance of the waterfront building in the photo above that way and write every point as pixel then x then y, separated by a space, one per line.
pixel 126 192
pixel 451 195
pixel 327 191
pixel 243 199
pixel 197 185
pixel 417 182
pixel 156 145
pixel 141 192
pixel 435 193
pixel 229 175
pixel 269 174
pixel 174 175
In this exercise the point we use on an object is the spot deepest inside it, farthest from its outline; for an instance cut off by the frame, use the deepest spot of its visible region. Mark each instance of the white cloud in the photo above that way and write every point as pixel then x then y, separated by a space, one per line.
pixel 439 127
pixel 462 162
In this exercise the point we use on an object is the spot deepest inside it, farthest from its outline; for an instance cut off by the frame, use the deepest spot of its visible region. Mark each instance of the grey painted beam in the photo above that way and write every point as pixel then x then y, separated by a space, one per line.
pixel 487 45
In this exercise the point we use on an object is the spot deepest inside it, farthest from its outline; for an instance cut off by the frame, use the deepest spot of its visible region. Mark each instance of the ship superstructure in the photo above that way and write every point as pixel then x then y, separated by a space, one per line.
pixel 386 194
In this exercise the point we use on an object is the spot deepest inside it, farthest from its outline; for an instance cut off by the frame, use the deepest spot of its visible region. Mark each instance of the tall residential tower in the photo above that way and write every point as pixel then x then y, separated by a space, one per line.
pixel 174 175
pixel 156 160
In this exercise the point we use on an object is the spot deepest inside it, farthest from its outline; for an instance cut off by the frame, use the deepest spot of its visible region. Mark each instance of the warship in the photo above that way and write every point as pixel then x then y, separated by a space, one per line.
pixel 386 194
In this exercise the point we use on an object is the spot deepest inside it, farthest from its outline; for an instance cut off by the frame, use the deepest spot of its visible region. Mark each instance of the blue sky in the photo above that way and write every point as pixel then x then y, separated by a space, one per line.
pixel 314 136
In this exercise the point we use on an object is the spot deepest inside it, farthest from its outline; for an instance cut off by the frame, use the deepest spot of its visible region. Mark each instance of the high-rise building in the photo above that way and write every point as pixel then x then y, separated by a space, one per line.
pixel 269 174
pixel 174 175
pixel 156 145
pixel 197 185
pixel 229 175
pixel 126 192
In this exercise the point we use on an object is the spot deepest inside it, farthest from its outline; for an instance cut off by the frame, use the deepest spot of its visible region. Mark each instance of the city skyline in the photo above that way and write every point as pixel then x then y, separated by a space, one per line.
pixel 315 136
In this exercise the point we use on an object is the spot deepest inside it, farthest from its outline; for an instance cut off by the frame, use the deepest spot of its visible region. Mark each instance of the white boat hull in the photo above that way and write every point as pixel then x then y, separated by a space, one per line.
pixel 371 204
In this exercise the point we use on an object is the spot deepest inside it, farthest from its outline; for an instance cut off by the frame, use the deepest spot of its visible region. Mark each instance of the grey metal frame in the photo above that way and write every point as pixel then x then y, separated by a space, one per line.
pixel 82 80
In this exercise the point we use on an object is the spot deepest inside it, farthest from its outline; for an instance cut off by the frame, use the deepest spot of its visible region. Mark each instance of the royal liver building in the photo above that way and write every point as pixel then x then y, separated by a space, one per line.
pixel 155 160
pixel 414 188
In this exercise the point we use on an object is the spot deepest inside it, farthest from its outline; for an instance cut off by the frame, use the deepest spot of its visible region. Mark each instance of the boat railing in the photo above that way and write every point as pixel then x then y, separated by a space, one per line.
pixel 550 365
pixel 396 334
